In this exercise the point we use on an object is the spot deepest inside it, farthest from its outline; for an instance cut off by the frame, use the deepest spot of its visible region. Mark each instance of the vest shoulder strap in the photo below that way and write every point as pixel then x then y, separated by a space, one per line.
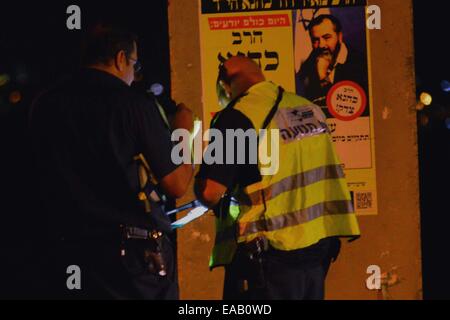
pixel 274 109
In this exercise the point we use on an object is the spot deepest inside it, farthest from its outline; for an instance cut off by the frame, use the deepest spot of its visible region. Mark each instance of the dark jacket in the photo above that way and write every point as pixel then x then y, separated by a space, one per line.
pixel 308 83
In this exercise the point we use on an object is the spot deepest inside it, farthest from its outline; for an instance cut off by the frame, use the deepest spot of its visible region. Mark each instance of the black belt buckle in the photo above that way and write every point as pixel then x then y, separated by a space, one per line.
pixel 136 233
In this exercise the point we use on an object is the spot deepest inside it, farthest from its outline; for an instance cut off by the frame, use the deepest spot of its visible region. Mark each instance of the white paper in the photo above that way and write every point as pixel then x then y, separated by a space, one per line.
pixel 191 216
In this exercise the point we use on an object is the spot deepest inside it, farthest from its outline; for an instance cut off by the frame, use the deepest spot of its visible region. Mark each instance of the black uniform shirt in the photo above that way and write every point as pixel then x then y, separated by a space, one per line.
pixel 231 175
pixel 86 132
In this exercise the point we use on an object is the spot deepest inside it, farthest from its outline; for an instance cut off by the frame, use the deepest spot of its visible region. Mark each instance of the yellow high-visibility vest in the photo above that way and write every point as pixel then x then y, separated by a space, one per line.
pixel 306 200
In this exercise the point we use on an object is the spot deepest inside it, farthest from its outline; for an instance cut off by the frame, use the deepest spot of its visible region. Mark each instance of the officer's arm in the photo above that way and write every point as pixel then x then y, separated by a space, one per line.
pixel 176 183
pixel 209 192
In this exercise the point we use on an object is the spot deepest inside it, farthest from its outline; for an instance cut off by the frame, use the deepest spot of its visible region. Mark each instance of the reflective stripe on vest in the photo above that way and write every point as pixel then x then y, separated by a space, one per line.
pixel 297 181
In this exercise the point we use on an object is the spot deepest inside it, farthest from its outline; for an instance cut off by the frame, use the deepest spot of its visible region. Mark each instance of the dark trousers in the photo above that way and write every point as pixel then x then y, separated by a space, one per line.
pixel 106 274
pixel 297 275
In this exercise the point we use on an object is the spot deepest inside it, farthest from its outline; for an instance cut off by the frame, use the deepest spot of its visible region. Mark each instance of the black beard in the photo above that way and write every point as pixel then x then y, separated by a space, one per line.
pixel 328 53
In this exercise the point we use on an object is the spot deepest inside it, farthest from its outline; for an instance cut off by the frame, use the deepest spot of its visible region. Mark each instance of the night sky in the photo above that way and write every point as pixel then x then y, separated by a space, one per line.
pixel 36 49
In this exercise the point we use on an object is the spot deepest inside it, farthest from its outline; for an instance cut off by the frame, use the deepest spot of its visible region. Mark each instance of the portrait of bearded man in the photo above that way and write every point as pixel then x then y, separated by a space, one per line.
pixel 331 61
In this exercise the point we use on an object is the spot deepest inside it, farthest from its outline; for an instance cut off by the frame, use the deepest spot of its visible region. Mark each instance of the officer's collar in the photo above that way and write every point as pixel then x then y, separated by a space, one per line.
pixel 96 76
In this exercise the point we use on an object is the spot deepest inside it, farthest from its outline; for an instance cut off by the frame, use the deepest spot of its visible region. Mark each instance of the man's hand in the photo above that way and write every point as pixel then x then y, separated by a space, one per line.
pixel 183 119
pixel 209 192
pixel 323 64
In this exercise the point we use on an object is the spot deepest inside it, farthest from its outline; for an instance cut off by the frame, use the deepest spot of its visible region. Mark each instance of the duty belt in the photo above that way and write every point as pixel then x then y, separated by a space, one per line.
pixel 153 255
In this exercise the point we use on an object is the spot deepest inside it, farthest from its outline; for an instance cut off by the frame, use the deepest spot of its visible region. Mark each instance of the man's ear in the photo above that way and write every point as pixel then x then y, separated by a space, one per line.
pixel 120 60
pixel 341 37
pixel 226 88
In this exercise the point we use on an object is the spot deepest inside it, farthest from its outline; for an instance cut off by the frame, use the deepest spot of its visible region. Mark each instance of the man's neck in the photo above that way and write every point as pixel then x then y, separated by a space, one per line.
pixel 107 69
pixel 244 86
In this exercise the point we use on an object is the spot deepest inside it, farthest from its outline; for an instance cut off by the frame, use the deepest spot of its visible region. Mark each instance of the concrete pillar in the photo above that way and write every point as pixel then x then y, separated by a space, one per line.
pixel 391 239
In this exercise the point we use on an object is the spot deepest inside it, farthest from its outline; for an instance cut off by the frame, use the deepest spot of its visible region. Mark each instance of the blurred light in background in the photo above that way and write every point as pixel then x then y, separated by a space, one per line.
pixel 157 89
pixel 447 123
pixel 15 97
pixel 445 85
pixel 425 100
pixel 4 79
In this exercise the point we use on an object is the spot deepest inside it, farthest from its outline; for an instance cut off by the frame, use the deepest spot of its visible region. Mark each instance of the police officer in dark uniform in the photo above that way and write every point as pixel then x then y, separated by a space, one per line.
pixel 105 168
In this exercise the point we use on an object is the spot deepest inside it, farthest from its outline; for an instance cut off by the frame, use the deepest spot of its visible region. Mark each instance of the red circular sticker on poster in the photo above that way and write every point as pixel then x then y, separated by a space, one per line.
pixel 346 100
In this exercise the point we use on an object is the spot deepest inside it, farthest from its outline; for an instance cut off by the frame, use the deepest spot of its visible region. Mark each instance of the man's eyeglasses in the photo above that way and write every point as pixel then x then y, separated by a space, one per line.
pixel 137 65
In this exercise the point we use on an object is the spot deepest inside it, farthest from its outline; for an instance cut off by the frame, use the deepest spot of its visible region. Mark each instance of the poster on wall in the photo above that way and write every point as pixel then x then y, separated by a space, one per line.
pixel 316 48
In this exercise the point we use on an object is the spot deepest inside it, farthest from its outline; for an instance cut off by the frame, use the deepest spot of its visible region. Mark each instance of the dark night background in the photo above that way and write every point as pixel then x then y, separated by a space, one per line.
pixel 431 27
pixel 36 49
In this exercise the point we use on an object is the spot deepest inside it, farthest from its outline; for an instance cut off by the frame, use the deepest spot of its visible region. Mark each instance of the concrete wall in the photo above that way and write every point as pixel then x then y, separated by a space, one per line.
pixel 391 239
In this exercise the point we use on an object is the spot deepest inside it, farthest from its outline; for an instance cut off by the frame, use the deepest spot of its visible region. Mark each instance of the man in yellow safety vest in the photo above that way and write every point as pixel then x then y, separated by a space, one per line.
pixel 277 228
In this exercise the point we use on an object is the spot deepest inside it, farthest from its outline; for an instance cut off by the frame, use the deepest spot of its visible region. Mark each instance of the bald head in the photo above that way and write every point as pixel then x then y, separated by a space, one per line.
pixel 242 73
